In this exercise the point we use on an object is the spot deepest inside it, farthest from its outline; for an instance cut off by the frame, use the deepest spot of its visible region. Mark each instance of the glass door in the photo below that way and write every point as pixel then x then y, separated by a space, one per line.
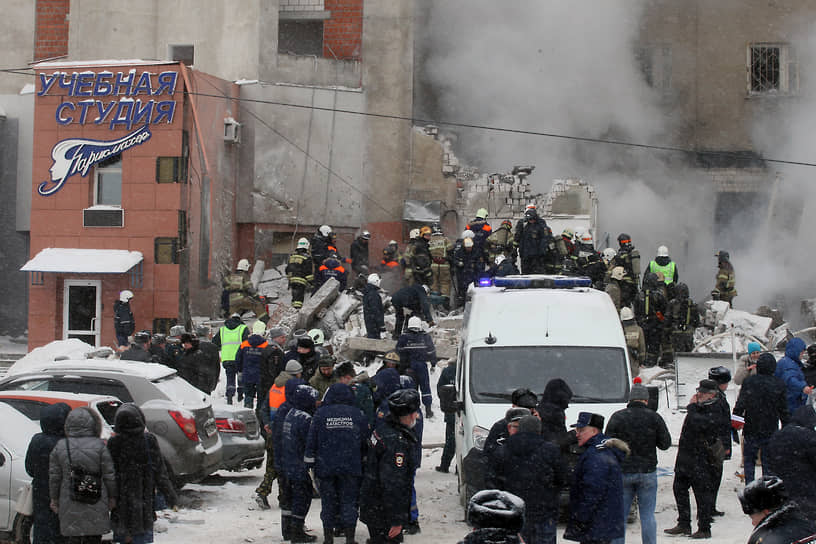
pixel 82 307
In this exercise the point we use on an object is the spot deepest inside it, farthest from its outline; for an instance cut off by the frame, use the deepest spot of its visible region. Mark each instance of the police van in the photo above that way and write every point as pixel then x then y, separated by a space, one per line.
pixel 523 331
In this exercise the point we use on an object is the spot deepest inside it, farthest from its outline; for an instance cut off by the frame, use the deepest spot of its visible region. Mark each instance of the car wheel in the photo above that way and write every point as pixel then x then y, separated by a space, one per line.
pixel 22 529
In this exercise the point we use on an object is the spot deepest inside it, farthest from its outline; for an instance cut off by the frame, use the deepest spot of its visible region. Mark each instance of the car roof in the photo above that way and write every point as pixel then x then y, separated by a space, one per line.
pixel 52 397
pixel 578 316
pixel 17 429
pixel 148 371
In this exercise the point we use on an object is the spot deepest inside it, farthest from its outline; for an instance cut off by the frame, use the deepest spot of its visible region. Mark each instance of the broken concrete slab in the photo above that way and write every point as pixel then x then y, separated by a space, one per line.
pixel 747 323
pixel 320 300
pixel 257 273
pixel 344 305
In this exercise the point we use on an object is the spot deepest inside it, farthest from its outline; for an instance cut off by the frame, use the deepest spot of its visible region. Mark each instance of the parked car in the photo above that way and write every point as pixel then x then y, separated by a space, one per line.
pixel 244 447
pixel 31 404
pixel 178 414
pixel 15 435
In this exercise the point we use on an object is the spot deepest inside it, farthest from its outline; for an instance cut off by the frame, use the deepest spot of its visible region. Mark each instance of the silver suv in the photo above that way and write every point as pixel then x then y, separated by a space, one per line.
pixel 178 414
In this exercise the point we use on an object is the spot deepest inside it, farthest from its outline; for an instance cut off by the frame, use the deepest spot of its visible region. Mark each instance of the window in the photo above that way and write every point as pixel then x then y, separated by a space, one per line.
pixel 162 324
pixel 300 37
pixel 182 52
pixel 166 251
pixel 168 169
pixel 771 70
pixel 108 182
pixel 655 63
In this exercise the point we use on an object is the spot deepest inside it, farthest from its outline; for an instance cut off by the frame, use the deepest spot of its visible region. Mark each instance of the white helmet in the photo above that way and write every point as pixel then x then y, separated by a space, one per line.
pixel 365 235
pixel 468 234
pixel 243 265
pixel 414 234
pixel 316 336
pixel 414 323
pixel 392 243
pixel 662 251
pixel 609 254
pixel 374 279
pixel 303 243
pixel 586 238
pixel 125 295
pixel 324 230
pixel 427 289
pixel 617 273
pixel 259 327
pixel 579 233
pixel 499 259
pixel 626 314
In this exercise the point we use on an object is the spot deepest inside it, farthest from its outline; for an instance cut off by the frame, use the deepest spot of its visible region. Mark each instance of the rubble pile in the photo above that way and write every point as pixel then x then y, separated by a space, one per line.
pixel 719 320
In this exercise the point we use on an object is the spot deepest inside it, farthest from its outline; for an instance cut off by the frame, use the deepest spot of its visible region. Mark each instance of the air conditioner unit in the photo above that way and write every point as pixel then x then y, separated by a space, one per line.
pixel 103 217
pixel 232 131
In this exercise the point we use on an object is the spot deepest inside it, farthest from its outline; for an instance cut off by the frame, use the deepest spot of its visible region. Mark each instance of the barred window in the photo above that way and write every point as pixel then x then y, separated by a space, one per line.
pixel 771 70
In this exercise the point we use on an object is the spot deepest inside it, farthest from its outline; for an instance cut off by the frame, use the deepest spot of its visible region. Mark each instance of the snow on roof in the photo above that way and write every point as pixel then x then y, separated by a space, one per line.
pixel 148 371
pixel 94 261
pixel 101 62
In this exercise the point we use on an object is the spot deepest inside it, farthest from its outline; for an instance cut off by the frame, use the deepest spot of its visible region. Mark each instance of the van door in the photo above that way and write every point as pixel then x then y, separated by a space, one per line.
pixel 81 308
pixel 5 490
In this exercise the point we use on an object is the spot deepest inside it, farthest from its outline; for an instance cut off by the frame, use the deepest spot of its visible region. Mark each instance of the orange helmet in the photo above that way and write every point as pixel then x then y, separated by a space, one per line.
pixel 425 230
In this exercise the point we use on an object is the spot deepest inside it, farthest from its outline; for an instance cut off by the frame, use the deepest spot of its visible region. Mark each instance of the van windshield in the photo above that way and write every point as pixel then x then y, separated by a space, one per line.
pixel 595 374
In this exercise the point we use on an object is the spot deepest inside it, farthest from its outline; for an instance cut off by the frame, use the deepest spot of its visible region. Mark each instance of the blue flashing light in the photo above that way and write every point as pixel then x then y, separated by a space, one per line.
pixel 539 281
pixel 485 282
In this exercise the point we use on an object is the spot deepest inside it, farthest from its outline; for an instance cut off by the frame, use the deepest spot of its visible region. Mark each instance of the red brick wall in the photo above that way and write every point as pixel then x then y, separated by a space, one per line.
pixel 51 37
pixel 343 33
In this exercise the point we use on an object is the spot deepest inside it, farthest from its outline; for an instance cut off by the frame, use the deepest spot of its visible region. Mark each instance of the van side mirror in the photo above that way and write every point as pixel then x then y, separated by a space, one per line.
pixel 447 399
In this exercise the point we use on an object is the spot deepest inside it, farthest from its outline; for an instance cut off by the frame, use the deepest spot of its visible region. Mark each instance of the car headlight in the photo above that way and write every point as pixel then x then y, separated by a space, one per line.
pixel 479 436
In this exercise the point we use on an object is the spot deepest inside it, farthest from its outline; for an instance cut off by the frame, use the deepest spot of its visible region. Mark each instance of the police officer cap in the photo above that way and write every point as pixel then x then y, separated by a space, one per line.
pixel 514 414
pixel 403 402
pixel 524 397
pixel 719 374
pixel 766 493
pixel 305 342
pixel 158 339
pixel 141 337
pixel 494 509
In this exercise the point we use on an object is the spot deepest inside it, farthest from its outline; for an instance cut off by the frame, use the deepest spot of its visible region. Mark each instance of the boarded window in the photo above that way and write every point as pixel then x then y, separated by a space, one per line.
pixel 166 250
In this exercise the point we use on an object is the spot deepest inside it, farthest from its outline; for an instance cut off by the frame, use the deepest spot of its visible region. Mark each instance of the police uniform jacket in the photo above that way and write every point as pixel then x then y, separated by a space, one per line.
pixel 385 494
pixel 373 311
pixel 294 432
pixel 123 322
pixel 337 436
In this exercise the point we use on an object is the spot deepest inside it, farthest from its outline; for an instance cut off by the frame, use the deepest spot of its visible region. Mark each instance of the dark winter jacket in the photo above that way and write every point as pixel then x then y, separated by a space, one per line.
pixel 415 347
pixel 447 377
pixel 193 368
pixel 140 469
pixel 373 311
pixel 533 239
pixel 388 475
pixel 319 246
pixel 495 437
pixel 700 431
pixel 359 255
pixel 295 431
pixel 491 536
pixel 468 265
pixel 364 400
pixel 248 361
pixel 337 435
pixel 123 322
pixel 723 415
pixel 382 417
pixel 506 268
pixel 784 526
pixel 419 263
pixel 88 452
pixel 530 466
pixel 650 306
pixel 551 409
pixel 789 370
pixel 414 298
pixel 307 360
pixel 331 268
pixel 136 353
pixel 276 422
pixel 643 430
pixel 385 382
pixel 52 423
pixel 762 400
pixel 791 455
pixel 272 364
pixel 596 495
pixel 210 365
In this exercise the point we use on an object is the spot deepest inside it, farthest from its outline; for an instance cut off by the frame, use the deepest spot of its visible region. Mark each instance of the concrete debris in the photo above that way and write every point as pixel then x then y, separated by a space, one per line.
pixel 257 273
pixel 321 299
pixel 766 326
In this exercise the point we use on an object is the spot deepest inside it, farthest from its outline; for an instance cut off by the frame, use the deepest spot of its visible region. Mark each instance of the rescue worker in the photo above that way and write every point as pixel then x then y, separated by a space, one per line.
pixel 684 317
pixel 589 262
pixel 650 311
pixel 331 268
pixel 441 250
pixel 359 253
pixel 248 363
pixel 415 298
pixel 229 339
pixel 123 322
pixel 390 270
pixel 306 355
pixel 392 249
pixel 663 263
pixel 418 266
pixel 503 266
pixel 242 296
pixel 320 245
pixel 613 286
pixel 385 495
pixel 566 250
pixel 408 254
pixel 300 272
pixel 373 312
pixel 481 230
pixel 629 258
pixel 324 377
pixel 416 350
pixel 724 282
pixel 635 340
pixel 500 242
pixel 533 241
pixel 469 267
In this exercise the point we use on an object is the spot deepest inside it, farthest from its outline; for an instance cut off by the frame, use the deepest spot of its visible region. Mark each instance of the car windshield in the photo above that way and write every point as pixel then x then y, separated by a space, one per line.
pixel 180 390
pixel 595 374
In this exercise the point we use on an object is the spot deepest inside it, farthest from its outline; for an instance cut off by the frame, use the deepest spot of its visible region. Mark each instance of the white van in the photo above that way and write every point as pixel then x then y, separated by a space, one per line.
pixel 524 331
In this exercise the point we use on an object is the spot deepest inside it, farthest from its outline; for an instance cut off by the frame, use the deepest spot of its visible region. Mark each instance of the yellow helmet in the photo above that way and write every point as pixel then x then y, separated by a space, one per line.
pixel 425 230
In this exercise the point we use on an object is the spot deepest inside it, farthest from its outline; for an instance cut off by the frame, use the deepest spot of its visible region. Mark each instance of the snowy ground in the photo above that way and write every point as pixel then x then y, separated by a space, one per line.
pixel 221 509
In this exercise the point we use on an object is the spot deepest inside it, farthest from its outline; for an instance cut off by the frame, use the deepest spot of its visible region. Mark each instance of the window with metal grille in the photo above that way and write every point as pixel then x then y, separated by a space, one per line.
pixel 771 70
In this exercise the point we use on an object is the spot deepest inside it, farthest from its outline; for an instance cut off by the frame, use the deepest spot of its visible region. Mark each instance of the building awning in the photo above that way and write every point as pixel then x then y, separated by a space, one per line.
pixel 83 261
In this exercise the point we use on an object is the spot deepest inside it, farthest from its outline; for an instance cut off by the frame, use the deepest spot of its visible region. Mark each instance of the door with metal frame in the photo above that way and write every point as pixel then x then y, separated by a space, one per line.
pixel 82 306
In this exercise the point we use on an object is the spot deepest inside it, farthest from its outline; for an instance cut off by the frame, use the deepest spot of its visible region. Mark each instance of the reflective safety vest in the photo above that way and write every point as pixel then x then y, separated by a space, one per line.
pixel 230 341
pixel 668 271
pixel 277 396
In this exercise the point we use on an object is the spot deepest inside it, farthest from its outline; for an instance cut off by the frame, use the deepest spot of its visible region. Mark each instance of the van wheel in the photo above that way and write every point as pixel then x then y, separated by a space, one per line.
pixel 465 492
pixel 22 529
